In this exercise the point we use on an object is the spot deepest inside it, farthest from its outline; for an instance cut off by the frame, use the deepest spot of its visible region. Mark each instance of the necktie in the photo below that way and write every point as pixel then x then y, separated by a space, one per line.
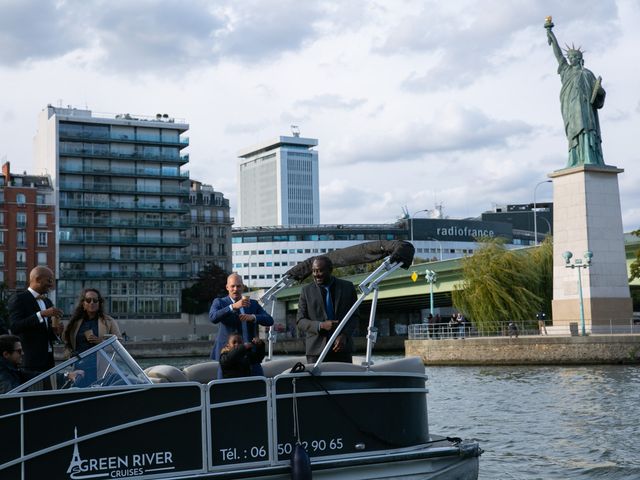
pixel 328 305
pixel 245 330
pixel 41 297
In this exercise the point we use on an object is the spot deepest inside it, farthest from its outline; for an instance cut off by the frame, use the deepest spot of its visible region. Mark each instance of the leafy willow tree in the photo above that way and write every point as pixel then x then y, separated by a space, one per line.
pixel 210 284
pixel 634 268
pixel 501 285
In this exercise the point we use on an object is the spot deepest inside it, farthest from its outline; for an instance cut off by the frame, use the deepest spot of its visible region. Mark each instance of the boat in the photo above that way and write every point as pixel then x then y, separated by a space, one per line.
pixel 100 415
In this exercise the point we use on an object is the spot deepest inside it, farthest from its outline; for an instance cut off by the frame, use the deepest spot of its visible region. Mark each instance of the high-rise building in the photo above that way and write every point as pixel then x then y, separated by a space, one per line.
pixel 278 183
pixel 210 228
pixel 122 208
pixel 27 226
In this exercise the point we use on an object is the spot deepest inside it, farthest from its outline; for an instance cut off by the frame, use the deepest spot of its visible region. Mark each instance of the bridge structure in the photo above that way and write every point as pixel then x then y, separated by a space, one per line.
pixel 401 300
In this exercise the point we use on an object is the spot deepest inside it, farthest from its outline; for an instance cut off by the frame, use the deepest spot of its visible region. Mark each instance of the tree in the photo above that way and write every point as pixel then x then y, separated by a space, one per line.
pixel 210 284
pixel 4 311
pixel 501 285
pixel 634 268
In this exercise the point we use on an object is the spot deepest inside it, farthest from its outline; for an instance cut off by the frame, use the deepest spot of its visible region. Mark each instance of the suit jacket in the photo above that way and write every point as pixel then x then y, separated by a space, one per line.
pixel 230 322
pixel 36 336
pixel 311 311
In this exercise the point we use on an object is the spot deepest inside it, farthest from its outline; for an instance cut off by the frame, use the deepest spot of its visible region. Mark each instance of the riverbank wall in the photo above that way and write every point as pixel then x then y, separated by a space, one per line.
pixel 528 350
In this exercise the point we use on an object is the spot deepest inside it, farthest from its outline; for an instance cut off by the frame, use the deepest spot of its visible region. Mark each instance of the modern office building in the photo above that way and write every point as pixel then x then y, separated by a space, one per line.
pixel 27 226
pixel 278 183
pixel 524 222
pixel 122 208
pixel 210 228
pixel 263 254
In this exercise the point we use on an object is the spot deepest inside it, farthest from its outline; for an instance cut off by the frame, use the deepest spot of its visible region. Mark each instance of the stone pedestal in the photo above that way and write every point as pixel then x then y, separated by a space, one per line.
pixel 587 216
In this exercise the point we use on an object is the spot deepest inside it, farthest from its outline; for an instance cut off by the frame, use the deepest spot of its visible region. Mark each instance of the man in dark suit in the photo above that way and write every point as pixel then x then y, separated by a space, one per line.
pixel 236 314
pixel 31 316
pixel 321 306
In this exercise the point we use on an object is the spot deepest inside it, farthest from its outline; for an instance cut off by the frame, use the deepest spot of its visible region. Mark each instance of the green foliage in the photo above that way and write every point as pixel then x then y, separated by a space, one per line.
pixel 210 284
pixel 4 311
pixel 634 268
pixel 501 285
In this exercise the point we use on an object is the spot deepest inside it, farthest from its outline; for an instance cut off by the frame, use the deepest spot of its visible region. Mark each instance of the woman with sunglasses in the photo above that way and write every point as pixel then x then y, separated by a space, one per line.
pixel 89 323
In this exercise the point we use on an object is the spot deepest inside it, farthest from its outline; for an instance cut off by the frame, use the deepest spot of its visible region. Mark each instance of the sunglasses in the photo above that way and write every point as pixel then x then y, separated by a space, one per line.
pixel 92 300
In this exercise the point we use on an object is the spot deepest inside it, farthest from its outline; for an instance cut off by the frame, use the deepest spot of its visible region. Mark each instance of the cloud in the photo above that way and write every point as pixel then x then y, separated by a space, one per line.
pixel 478 37
pixel 454 129
pixel 148 36
pixel 33 30
pixel 330 101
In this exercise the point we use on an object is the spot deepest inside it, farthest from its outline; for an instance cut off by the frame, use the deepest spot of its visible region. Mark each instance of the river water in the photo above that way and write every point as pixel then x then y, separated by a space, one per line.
pixel 537 423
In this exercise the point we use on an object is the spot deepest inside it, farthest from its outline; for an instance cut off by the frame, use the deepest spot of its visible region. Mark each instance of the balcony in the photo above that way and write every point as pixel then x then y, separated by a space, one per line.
pixel 135 223
pixel 126 171
pixel 156 207
pixel 82 152
pixel 124 240
pixel 94 257
pixel 111 137
pixel 125 188
pixel 134 275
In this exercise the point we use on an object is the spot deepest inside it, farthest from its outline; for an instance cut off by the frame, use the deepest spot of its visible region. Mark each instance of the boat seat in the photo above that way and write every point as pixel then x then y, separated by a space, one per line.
pixel 401 365
pixel 202 372
pixel 165 374
pixel 276 367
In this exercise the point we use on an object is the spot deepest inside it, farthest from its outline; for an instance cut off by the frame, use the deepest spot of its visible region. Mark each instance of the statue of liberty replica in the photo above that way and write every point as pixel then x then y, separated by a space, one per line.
pixel 580 98
pixel 587 217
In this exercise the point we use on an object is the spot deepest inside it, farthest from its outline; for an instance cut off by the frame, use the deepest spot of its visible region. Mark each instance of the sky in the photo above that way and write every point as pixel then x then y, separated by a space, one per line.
pixel 414 103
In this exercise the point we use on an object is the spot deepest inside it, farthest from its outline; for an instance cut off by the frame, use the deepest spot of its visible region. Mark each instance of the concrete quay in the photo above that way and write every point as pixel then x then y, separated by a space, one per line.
pixel 202 348
pixel 528 350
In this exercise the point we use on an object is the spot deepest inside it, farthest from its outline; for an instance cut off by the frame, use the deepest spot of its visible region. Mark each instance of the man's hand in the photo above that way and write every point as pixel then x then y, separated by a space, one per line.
pixel 340 344
pixel 51 312
pixel 326 325
pixel 247 317
pixel 242 303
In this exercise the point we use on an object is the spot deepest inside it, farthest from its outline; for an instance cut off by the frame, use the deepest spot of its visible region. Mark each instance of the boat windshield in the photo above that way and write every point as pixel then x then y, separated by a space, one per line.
pixel 105 364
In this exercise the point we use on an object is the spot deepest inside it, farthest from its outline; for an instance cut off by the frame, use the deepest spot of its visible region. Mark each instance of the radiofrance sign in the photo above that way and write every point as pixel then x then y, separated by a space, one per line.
pixel 459 230
pixel 126 466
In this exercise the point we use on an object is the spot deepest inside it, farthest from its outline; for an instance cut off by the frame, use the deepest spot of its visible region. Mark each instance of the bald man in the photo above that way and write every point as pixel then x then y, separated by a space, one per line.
pixel 236 314
pixel 30 316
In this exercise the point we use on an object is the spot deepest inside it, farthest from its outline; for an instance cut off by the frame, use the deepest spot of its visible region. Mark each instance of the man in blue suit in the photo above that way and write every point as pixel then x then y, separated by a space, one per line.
pixel 237 314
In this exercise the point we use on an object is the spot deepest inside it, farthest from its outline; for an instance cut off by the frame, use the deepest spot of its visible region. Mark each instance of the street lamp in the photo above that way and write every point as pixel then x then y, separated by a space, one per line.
pixel 411 219
pixel 439 245
pixel 535 223
pixel 577 263
pixel 431 277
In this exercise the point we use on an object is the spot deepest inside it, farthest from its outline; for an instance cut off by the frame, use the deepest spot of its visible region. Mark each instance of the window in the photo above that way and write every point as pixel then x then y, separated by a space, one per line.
pixel 1 258
pixel 21 258
pixel 42 258
pixel 1 238
pixel 42 239
pixel 40 199
pixel 21 220
pixel 21 277
pixel 42 219
pixel 21 238
pixel 1 218
pixel 21 199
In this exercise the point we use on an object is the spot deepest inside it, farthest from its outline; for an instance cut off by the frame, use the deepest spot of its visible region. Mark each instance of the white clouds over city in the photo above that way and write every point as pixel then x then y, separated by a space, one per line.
pixel 413 102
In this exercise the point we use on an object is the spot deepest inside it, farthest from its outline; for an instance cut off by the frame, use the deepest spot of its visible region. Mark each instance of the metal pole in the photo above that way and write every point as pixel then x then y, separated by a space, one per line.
pixel 584 333
pixel 535 223
pixel 431 297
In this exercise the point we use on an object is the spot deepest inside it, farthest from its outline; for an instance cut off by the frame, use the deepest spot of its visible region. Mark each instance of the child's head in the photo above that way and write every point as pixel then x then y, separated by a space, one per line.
pixel 234 340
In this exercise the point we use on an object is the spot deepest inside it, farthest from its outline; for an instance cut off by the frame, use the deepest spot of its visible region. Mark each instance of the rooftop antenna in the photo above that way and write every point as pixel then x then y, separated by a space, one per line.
pixel 295 130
